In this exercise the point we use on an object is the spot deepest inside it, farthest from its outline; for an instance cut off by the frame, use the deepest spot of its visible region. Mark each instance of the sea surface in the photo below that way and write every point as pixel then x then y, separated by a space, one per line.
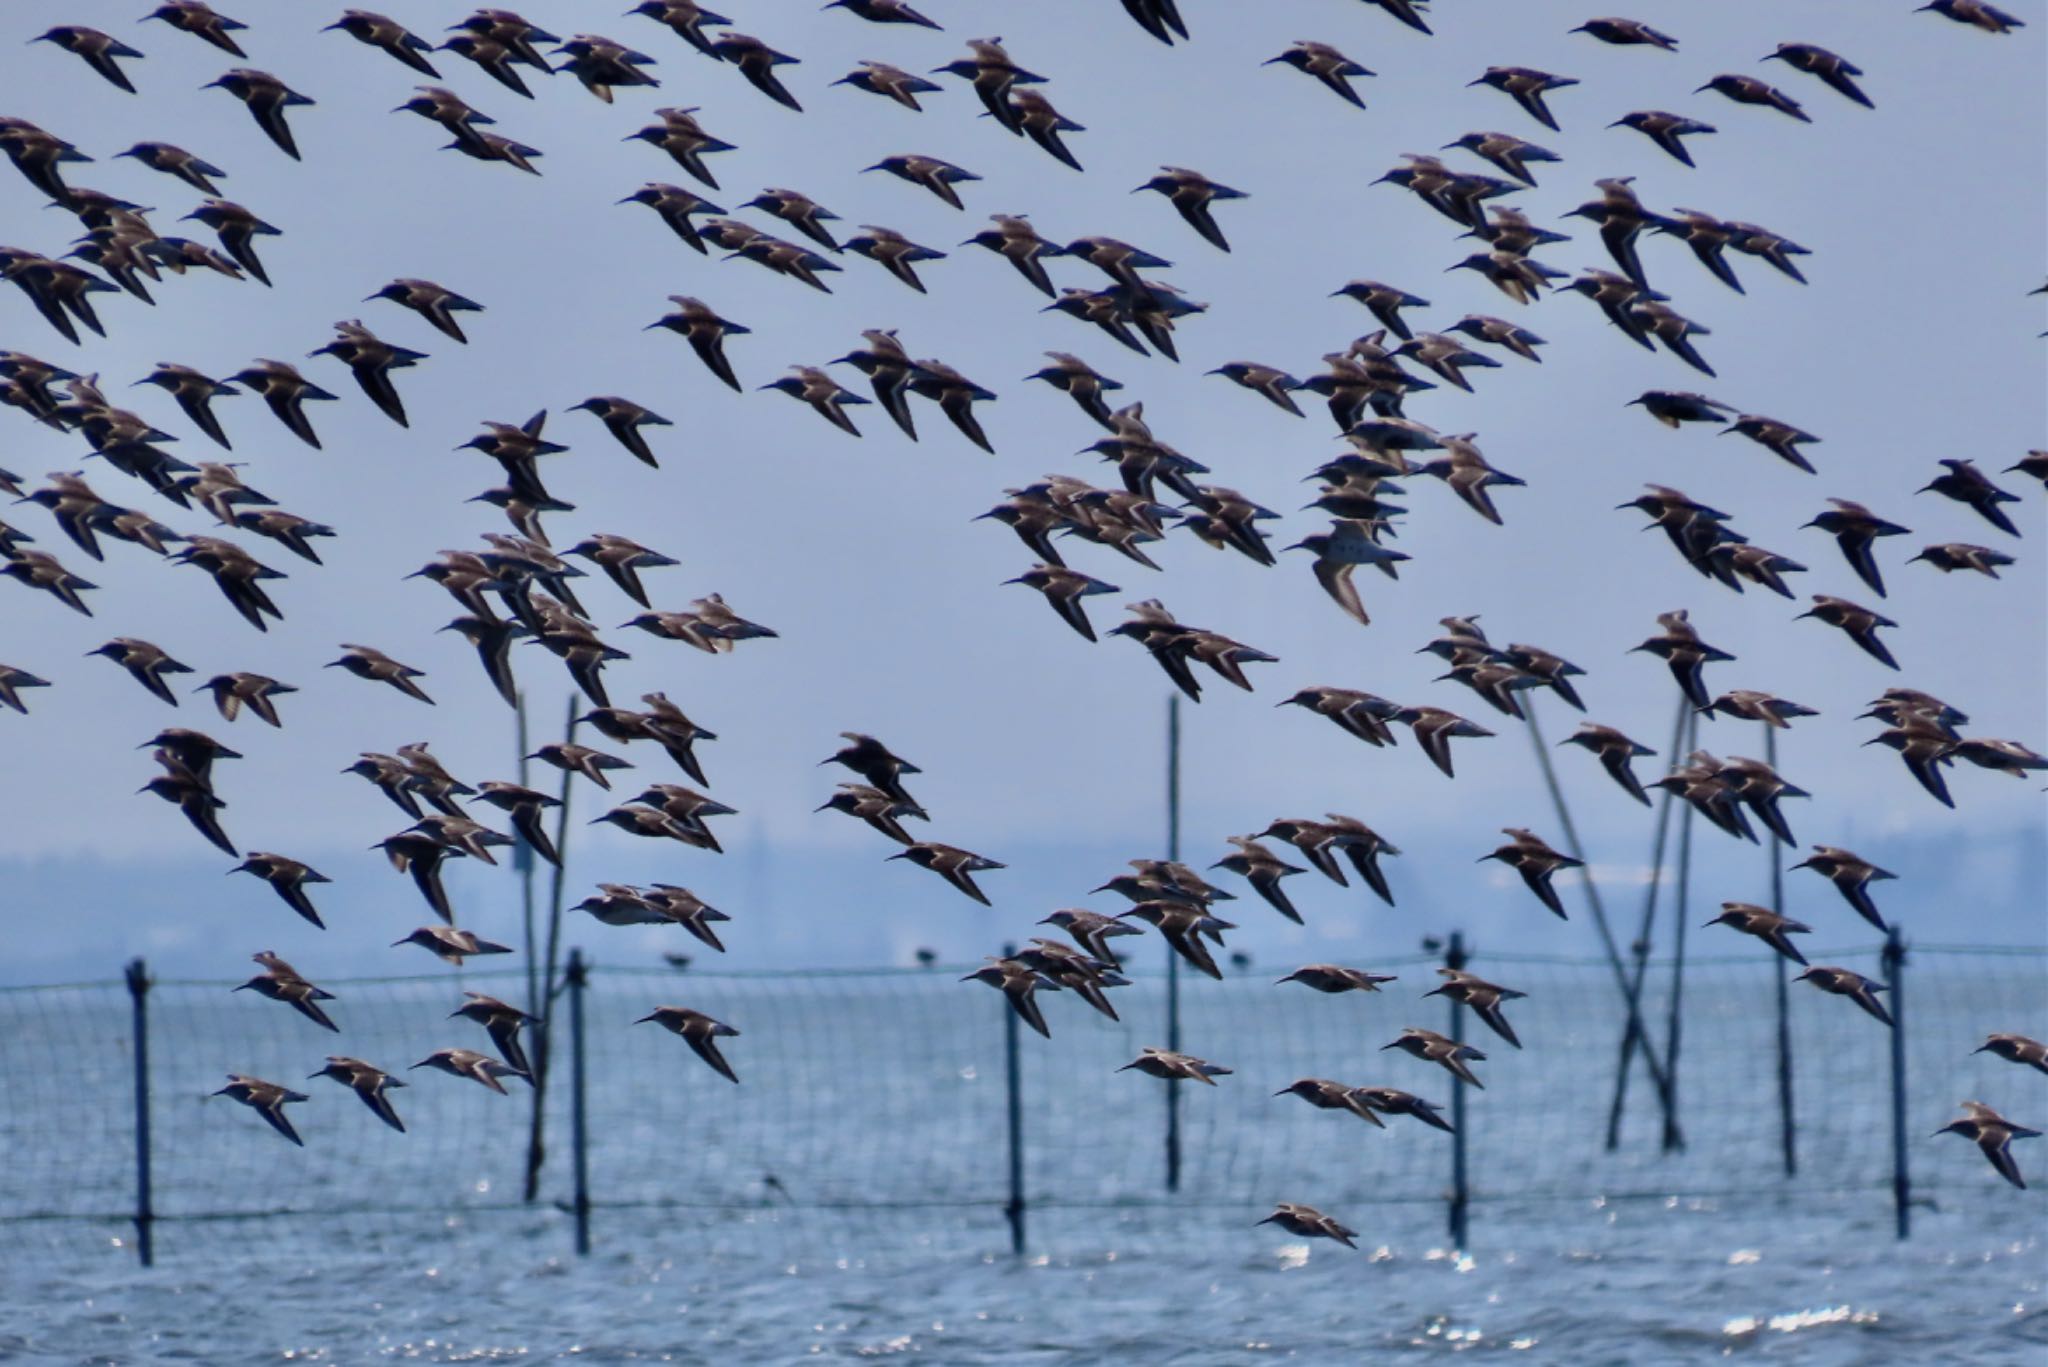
pixel 1654 1283
pixel 847 1199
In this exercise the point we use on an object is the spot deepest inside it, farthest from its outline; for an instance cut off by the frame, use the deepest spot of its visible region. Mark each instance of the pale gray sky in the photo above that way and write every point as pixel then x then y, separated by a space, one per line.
pixel 1914 341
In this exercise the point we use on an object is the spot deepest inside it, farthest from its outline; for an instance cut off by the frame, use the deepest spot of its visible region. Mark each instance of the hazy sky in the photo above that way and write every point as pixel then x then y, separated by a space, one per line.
pixel 1915 340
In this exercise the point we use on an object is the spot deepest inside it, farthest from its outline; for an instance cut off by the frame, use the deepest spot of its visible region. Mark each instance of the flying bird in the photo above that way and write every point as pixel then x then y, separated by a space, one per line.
pixel 1309 1223
pixel 700 1032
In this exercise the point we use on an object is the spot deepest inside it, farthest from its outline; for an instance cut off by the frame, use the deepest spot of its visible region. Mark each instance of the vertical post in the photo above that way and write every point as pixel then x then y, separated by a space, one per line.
pixel 1634 1035
pixel 1454 957
pixel 576 979
pixel 1787 1132
pixel 145 1215
pixel 1673 1138
pixel 522 860
pixel 1902 1182
pixel 1172 959
pixel 1013 1080
pixel 536 1145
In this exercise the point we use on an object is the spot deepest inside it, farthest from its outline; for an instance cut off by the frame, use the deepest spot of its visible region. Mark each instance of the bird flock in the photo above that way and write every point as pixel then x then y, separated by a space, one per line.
pixel 516 587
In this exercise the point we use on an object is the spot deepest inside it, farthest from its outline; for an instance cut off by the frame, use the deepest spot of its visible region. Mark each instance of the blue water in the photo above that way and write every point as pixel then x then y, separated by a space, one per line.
pixel 846 1198
pixel 1585 1285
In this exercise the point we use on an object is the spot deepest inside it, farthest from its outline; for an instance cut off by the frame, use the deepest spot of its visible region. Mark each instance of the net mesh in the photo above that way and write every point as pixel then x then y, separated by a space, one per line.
pixel 873 1104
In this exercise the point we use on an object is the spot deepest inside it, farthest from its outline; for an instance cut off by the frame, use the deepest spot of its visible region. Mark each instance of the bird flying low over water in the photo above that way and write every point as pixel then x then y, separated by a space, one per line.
pixel 1175 1067
pixel 1392 1101
pixel 950 862
pixel 1183 927
pixel 468 1063
pixel 1264 870
pixel 1326 1095
pixel 267 1099
pixel 1852 875
pixel 502 1021
pixel 1844 982
pixel 368 1082
pixel 1442 1050
pixel 287 878
pixel 452 944
pixel 1765 925
pixel 699 1031
pixel 2017 1049
pixel 280 982
pixel 1483 997
pixel 1993 1134
pixel 1309 1223
pixel 1018 982
pixel 1062 965
pixel 1333 979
